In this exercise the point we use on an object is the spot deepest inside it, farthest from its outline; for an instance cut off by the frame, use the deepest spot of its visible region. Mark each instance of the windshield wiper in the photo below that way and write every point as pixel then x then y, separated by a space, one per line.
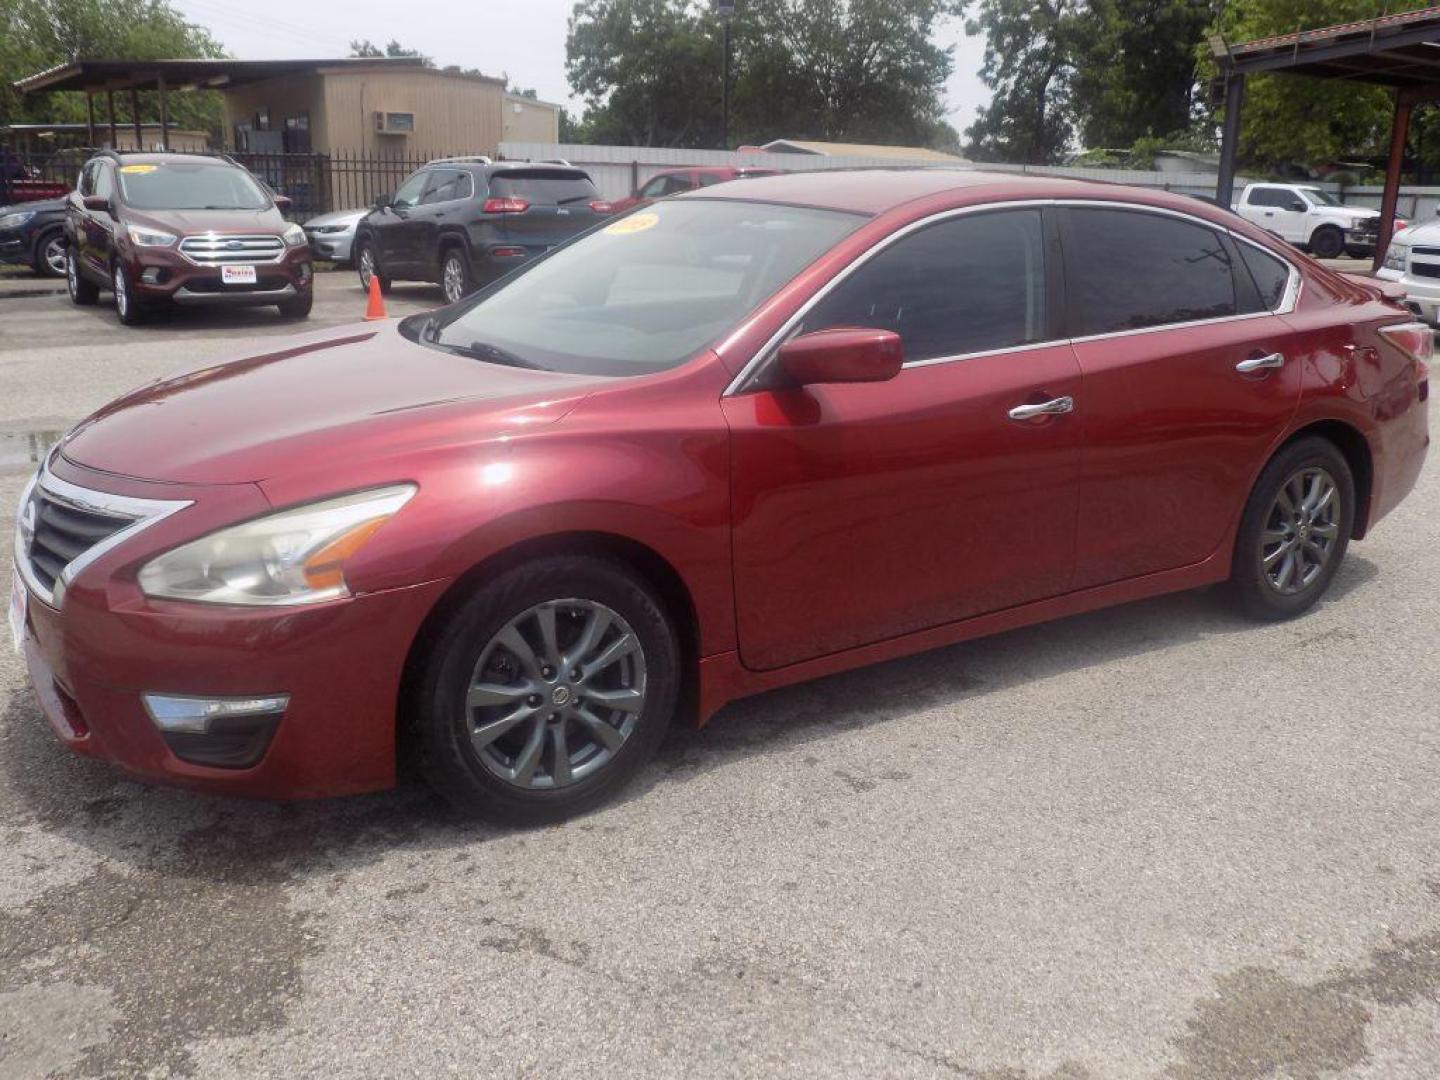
pixel 493 354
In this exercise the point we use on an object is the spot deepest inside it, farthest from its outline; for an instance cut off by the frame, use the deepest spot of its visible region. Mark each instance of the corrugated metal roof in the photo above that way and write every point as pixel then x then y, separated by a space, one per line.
pixel 1401 50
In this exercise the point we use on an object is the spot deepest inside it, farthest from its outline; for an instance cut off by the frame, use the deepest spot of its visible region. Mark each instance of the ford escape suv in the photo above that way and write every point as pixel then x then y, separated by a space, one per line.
pixel 463 222
pixel 185 229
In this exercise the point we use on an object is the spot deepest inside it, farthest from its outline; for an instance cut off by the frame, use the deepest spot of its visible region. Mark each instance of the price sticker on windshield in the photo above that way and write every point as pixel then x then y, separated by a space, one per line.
pixel 138 168
pixel 633 224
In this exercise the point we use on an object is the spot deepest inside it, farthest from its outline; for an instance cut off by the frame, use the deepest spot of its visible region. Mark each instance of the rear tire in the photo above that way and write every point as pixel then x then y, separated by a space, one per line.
pixel 455 279
pixel 367 264
pixel 83 292
pixel 494 706
pixel 298 308
pixel 1327 242
pixel 1299 515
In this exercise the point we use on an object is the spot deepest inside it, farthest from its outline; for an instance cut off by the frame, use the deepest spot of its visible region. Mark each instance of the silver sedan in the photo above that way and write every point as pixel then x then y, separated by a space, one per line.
pixel 331 235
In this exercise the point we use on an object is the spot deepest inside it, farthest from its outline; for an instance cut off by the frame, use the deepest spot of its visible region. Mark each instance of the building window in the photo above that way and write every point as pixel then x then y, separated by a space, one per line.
pixel 297 134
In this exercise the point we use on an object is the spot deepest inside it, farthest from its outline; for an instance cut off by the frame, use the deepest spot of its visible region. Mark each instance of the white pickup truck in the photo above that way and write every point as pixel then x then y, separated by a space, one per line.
pixel 1311 218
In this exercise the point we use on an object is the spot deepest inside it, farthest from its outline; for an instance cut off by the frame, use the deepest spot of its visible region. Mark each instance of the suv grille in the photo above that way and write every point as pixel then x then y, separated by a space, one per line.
pixel 219 250
pixel 64 532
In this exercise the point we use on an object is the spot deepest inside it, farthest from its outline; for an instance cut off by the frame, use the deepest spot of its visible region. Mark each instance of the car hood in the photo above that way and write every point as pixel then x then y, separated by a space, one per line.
pixel 1354 213
pixel 337 217
pixel 358 392
pixel 1426 233
pixel 39 206
pixel 190 222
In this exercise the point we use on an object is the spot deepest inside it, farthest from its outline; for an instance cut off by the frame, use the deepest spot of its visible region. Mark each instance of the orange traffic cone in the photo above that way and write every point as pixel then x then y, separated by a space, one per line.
pixel 375 309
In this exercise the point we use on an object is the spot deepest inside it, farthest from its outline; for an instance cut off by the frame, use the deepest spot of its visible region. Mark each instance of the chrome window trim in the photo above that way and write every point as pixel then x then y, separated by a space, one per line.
pixel 144 512
pixel 763 355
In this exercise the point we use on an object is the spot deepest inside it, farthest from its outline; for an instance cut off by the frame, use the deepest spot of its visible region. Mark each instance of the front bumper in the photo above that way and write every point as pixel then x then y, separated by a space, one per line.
pixel 14 247
pixel 1422 294
pixel 160 275
pixel 340 663
pixel 332 246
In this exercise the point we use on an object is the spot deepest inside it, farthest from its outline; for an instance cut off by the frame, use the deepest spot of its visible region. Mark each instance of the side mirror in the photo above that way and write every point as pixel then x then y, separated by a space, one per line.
pixel 98 203
pixel 283 202
pixel 1298 206
pixel 845 354
pixel 382 201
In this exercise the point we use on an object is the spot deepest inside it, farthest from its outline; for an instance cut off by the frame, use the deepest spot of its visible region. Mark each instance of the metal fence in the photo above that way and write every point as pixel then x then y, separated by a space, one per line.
pixel 315 183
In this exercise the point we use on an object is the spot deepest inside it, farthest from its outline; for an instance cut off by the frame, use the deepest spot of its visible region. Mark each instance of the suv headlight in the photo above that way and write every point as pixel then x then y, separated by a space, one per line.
pixel 150 237
pixel 294 235
pixel 1395 256
pixel 293 557
pixel 14 221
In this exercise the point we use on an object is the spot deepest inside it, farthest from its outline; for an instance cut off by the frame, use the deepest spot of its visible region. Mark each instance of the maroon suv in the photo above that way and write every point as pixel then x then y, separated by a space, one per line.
pixel 184 229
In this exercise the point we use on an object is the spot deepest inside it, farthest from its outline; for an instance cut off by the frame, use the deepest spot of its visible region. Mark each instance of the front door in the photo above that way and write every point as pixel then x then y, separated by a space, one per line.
pixel 1178 418
pixel 396 229
pixel 866 511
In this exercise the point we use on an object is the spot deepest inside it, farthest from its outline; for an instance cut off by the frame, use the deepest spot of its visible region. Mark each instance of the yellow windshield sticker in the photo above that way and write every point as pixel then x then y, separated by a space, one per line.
pixel 138 168
pixel 633 224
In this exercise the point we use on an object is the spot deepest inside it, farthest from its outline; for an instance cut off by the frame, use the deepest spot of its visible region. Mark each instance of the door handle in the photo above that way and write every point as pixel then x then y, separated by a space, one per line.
pixel 1261 363
pixel 1058 407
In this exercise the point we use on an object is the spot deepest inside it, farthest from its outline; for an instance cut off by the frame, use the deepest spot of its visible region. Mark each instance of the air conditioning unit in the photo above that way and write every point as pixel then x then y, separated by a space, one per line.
pixel 394 123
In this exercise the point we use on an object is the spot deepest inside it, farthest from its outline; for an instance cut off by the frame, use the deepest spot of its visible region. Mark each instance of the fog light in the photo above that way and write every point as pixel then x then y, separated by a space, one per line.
pixel 228 733
pixel 304 274
pixel 152 275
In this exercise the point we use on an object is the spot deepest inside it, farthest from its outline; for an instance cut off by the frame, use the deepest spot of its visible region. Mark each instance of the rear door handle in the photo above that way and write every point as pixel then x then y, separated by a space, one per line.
pixel 1057 407
pixel 1261 363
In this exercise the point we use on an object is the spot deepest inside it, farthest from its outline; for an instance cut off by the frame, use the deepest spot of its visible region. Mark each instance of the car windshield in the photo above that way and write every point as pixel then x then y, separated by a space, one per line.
pixel 187 185
pixel 1324 198
pixel 641 294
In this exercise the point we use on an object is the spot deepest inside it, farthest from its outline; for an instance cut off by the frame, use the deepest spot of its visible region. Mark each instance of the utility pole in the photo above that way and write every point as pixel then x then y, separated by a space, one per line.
pixel 726 10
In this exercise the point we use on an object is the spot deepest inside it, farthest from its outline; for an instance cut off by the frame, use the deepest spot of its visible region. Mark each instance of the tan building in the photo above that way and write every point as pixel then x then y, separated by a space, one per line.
pixel 530 120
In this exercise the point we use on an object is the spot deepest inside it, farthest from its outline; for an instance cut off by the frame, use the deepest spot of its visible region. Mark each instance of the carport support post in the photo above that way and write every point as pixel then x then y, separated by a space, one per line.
pixel 1230 139
pixel 164 114
pixel 90 121
pixel 110 112
pixel 1399 129
pixel 135 116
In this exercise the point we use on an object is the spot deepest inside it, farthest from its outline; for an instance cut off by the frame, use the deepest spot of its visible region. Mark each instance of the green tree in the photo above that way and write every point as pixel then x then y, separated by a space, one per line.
pixel 366 49
pixel 44 33
pixel 649 71
pixel 1293 119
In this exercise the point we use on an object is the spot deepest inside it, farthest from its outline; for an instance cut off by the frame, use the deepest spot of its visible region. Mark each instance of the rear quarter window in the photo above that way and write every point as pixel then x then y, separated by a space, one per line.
pixel 1271 275
pixel 544 186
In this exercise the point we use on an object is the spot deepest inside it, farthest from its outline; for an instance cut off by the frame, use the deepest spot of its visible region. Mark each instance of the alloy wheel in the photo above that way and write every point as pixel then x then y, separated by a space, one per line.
pixel 1301 531
pixel 454 279
pixel 53 255
pixel 72 275
pixel 122 294
pixel 367 266
pixel 556 693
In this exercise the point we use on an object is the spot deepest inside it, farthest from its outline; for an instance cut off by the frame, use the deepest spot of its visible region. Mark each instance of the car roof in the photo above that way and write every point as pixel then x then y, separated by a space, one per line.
pixel 877 190
pixel 161 158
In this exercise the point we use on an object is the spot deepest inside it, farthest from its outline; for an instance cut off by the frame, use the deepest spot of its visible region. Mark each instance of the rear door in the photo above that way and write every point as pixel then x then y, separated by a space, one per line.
pixel 1279 210
pixel 1190 377
pixel 556 206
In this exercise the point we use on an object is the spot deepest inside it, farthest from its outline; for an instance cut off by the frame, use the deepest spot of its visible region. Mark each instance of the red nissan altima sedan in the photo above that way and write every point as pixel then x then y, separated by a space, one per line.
pixel 737 439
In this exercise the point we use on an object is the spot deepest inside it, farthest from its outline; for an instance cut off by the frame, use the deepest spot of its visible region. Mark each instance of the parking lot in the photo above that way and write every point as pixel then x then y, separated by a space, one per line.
pixel 1158 840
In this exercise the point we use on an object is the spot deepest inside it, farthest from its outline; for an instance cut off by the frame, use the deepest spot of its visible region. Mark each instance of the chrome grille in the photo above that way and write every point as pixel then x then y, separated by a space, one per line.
pixel 64 532
pixel 217 250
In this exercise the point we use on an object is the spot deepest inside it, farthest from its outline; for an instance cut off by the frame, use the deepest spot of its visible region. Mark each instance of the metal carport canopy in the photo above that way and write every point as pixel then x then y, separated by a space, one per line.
pixel 1398 51
pixel 91 77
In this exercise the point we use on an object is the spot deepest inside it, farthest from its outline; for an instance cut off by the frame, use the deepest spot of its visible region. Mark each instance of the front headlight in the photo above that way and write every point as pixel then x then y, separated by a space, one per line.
pixel 293 235
pixel 14 221
pixel 150 237
pixel 1395 257
pixel 293 557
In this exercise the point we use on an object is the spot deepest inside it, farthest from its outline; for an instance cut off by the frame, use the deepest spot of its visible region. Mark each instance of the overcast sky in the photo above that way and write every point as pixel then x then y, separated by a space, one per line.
pixel 500 37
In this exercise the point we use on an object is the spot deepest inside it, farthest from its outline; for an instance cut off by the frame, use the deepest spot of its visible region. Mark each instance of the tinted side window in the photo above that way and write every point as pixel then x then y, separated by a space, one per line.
pixel 1126 270
pixel 104 181
pixel 444 186
pixel 1270 274
pixel 408 193
pixel 1268 197
pixel 87 178
pixel 962 286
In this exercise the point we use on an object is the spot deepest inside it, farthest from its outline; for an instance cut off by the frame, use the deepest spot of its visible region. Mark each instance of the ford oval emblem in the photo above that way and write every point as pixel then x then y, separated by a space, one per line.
pixel 234 245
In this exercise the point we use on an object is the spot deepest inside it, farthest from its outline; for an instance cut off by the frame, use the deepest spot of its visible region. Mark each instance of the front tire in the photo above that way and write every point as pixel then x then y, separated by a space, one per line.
pixel 50 257
pixel 128 308
pixel 1327 242
pixel 1295 530
pixel 298 308
pixel 367 265
pixel 545 690
pixel 83 292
